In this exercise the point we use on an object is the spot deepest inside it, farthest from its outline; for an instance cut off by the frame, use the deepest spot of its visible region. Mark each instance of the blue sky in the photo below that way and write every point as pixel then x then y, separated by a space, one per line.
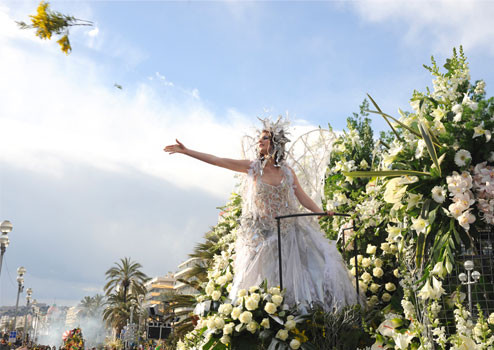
pixel 83 176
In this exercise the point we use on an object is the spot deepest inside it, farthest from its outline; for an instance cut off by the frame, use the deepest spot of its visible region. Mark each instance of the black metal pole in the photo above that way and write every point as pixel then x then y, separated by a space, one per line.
pixel 279 252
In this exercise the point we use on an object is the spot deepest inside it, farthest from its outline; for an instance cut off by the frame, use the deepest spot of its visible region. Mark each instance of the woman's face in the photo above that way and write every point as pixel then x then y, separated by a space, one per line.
pixel 264 143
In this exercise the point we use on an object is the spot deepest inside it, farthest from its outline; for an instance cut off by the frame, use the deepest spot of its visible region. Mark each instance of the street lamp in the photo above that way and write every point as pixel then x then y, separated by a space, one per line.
pixel 469 279
pixel 5 227
pixel 20 287
pixel 29 292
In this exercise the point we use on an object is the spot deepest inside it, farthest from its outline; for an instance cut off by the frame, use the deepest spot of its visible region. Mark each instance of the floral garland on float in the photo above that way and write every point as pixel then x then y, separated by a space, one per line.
pixel 73 340
pixel 428 193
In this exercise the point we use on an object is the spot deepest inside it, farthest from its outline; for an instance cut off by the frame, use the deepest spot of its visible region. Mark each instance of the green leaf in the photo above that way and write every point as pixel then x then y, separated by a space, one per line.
pixel 383 173
pixel 419 253
pixel 209 344
pixel 426 135
pixel 425 209
pixel 385 117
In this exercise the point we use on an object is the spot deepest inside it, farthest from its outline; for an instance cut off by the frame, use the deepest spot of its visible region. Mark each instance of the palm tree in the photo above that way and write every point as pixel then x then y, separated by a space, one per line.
pixel 117 310
pixel 127 277
pixel 91 307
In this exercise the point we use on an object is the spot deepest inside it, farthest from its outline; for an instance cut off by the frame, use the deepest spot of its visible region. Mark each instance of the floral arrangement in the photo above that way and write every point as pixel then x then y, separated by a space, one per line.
pixel 429 193
pixel 73 340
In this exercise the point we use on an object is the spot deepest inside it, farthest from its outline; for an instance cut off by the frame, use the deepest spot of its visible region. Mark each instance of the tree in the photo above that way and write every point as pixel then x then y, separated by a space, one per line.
pixel 92 306
pixel 126 277
pixel 48 22
pixel 117 310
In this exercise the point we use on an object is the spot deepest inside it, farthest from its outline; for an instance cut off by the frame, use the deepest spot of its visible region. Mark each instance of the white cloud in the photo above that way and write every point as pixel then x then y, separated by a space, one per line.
pixel 441 23
pixel 93 32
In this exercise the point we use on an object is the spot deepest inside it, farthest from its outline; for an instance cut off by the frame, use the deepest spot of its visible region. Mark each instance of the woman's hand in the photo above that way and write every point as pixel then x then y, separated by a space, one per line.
pixel 176 148
pixel 328 212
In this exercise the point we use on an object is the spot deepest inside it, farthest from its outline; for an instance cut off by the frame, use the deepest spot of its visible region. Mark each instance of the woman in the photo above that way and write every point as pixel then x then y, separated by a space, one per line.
pixel 313 270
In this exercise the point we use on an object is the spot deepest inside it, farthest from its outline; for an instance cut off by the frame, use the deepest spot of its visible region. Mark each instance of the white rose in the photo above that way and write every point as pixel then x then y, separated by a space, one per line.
pixel 282 334
pixel 225 309
pixel 221 280
pixel 253 289
pixel 366 262
pixel 251 304
pixel 491 318
pixel 255 296
pixel 277 299
pixel 386 297
pixel 236 312
pixel 270 308
pixel 290 324
pixel 209 289
pixel 229 276
pixel 245 317
pixel 274 291
pixel 377 272
pixel 373 300
pixel 390 287
pixel 252 327
pixel 374 287
pixel 229 288
pixel 211 324
pixel 241 293
pixel 362 286
pixel 385 247
pixel 219 322
pixel 228 329
pixel 371 249
pixel 378 262
pixel 294 344
pixel 366 277
pixel 225 339
pixel 396 273
pixel 216 295
pixel 265 323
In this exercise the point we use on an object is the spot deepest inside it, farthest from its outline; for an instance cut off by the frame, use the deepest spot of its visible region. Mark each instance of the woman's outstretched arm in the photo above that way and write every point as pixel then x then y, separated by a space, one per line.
pixel 303 198
pixel 240 165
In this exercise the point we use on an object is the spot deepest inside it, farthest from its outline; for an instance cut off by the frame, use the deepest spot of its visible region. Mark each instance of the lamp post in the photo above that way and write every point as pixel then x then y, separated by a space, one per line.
pixel 469 279
pixel 29 292
pixel 5 227
pixel 20 287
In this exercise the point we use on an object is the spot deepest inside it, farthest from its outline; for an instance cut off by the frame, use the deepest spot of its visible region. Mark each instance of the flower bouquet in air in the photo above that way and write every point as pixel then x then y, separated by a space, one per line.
pixel 73 339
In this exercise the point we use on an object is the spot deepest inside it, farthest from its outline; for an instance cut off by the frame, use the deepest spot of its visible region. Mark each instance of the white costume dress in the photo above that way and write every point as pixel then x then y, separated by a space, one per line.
pixel 313 269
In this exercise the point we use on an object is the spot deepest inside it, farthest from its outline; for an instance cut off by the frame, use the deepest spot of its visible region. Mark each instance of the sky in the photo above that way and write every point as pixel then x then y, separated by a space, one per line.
pixel 83 177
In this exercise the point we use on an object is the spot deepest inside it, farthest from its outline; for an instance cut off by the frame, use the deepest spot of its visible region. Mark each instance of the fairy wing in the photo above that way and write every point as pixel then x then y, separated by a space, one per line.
pixel 309 157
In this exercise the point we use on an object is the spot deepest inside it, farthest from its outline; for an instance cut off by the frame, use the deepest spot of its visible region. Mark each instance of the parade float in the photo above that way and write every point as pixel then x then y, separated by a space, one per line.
pixel 419 240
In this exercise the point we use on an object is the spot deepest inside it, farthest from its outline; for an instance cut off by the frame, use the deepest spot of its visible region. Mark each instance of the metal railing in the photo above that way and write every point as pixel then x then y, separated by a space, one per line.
pixel 278 221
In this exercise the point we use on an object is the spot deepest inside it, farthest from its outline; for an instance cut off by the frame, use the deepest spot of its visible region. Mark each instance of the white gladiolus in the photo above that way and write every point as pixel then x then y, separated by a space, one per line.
pixel 419 224
pixel 439 269
pixel 426 291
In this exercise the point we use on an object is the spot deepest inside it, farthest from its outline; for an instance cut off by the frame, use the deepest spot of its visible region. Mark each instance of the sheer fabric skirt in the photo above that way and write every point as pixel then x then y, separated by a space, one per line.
pixel 313 269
